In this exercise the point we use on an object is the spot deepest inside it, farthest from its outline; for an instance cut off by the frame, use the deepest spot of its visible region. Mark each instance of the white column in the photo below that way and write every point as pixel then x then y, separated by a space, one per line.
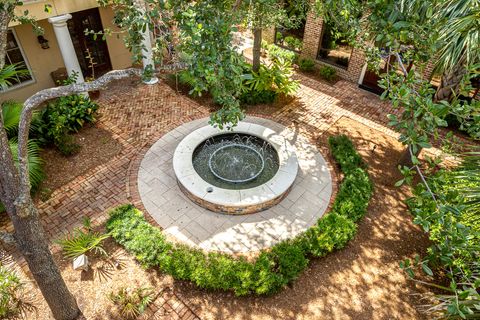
pixel 147 59
pixel 147 53
pixel 66 46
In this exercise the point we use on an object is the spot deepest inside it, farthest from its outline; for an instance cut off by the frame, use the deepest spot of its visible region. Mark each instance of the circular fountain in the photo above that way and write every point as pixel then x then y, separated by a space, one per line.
pixel 246 170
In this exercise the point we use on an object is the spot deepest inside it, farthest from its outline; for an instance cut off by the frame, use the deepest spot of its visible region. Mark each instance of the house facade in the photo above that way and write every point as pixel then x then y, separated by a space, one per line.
pixel 63 46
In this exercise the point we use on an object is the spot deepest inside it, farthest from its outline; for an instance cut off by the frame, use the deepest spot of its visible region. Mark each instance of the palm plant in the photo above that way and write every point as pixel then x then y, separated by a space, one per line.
pixel 467 180
pixel 11 111
pixel 35 163
pixel 132 302
pixel 459 43
pixel 10 72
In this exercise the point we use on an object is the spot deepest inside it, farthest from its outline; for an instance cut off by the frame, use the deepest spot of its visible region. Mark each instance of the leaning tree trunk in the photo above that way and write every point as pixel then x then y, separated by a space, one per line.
pixel 257 46
pixel 30 238
pixel 450 83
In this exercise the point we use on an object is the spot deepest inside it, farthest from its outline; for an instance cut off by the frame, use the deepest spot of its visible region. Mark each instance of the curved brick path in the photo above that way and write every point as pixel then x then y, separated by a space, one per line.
pixel 137 115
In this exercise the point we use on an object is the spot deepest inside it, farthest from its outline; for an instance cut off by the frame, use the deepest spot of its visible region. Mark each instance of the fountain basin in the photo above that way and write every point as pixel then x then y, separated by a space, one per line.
pixel 236 200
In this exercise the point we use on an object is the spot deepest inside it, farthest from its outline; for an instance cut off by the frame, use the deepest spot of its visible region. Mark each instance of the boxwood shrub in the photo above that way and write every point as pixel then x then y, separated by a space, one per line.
pixel 273 269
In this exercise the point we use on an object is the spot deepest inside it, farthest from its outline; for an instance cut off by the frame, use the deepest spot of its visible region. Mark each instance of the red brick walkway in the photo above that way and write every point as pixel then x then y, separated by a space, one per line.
pixel 137 115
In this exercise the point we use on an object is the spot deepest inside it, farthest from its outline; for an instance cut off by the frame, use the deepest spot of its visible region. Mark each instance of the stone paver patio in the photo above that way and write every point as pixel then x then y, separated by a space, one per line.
pixel 196 226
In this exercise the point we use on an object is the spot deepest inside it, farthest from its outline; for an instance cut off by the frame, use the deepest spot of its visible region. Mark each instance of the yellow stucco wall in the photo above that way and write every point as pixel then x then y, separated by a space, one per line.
pixel 119 55
pixel 36 9
pixel 44 61
pixel 41 61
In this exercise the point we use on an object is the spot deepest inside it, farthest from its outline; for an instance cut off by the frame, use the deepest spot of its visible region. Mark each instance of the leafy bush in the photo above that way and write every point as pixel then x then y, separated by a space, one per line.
pixel 273 269
pixel 328 73
pixel 306 65
pixel 331 233
pixel 254 97
pixel 275 53
pixel 451 220
pixel 10 286
pixel 131 303
pixel 63 116
pixel 344 152
pixel 82 241
pixel 276 77
pixel 293 43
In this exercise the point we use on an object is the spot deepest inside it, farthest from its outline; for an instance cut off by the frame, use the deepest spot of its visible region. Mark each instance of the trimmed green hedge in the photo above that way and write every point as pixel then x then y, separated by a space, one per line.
pixel 274 268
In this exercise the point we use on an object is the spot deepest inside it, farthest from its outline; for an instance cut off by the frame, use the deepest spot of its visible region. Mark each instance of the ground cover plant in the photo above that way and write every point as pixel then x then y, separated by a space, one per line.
pixel 131 303
pixel 328 73
pixel 273 269
pixel 454 230
pixel 10 287
pixel 306 65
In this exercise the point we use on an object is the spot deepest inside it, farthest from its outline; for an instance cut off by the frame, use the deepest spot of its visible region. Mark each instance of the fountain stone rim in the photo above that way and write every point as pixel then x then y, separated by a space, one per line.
pixel 235 201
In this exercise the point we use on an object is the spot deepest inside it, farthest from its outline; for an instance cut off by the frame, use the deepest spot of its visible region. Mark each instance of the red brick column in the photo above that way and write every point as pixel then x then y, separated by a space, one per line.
pixel 311 37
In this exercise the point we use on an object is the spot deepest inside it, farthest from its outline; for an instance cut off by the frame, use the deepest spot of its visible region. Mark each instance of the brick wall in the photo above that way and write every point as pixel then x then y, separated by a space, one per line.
pixel 311 44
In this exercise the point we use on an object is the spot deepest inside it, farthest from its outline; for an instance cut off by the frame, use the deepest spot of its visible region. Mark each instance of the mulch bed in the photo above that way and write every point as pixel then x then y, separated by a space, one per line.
pixel 97 147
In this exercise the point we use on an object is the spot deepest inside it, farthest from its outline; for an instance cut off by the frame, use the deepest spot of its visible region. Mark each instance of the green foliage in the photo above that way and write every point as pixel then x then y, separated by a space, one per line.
pixel 214 66
pixel 306 65
pixel 331 233
pixel 344 152
pixel 328 73
pixel 82 241
pixel 10 287
pixel 273 269
pixel 35 163
pixel 451 220
pixel 131 303
pixel 254 97
pixel 293 43
pixel 276 77
pixel 9 74
pixel 62 117
pixel 275 53
pixel 11 111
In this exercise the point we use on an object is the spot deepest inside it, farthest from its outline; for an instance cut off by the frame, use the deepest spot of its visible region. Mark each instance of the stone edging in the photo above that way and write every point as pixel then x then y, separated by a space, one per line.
pixel 235 201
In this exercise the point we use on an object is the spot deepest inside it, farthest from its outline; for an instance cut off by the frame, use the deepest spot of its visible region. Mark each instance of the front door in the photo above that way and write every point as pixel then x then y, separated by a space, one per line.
pixel 86 47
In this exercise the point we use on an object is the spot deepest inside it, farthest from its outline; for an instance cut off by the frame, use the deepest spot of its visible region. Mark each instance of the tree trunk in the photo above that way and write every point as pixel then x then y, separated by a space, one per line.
pixel 30 237
pixel 32 243
pixel 257 46
pixel 450 83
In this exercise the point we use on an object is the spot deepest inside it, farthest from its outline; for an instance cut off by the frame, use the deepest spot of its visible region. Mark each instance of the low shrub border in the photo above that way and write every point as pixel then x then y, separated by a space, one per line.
pixel 274 268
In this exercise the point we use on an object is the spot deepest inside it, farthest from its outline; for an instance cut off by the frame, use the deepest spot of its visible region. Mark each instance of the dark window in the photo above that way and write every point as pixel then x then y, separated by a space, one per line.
pixel 15 56
pixel 334 50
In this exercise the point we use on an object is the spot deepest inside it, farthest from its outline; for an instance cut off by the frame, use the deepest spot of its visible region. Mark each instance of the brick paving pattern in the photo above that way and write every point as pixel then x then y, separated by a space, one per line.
pixel 137 115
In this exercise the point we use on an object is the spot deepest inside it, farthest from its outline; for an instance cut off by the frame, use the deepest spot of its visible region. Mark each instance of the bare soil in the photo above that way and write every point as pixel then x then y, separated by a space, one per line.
pixel 97 146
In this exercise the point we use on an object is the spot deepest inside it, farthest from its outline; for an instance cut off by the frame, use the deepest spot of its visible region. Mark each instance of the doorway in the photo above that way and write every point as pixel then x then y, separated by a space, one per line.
pixel 371 78
pixel 85 45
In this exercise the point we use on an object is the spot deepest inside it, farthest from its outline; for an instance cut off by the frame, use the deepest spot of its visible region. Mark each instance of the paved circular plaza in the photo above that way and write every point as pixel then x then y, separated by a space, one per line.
pixel 185 221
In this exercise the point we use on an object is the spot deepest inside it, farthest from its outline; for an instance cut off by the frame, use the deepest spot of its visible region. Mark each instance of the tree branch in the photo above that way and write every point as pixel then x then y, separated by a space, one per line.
pixel 37 100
